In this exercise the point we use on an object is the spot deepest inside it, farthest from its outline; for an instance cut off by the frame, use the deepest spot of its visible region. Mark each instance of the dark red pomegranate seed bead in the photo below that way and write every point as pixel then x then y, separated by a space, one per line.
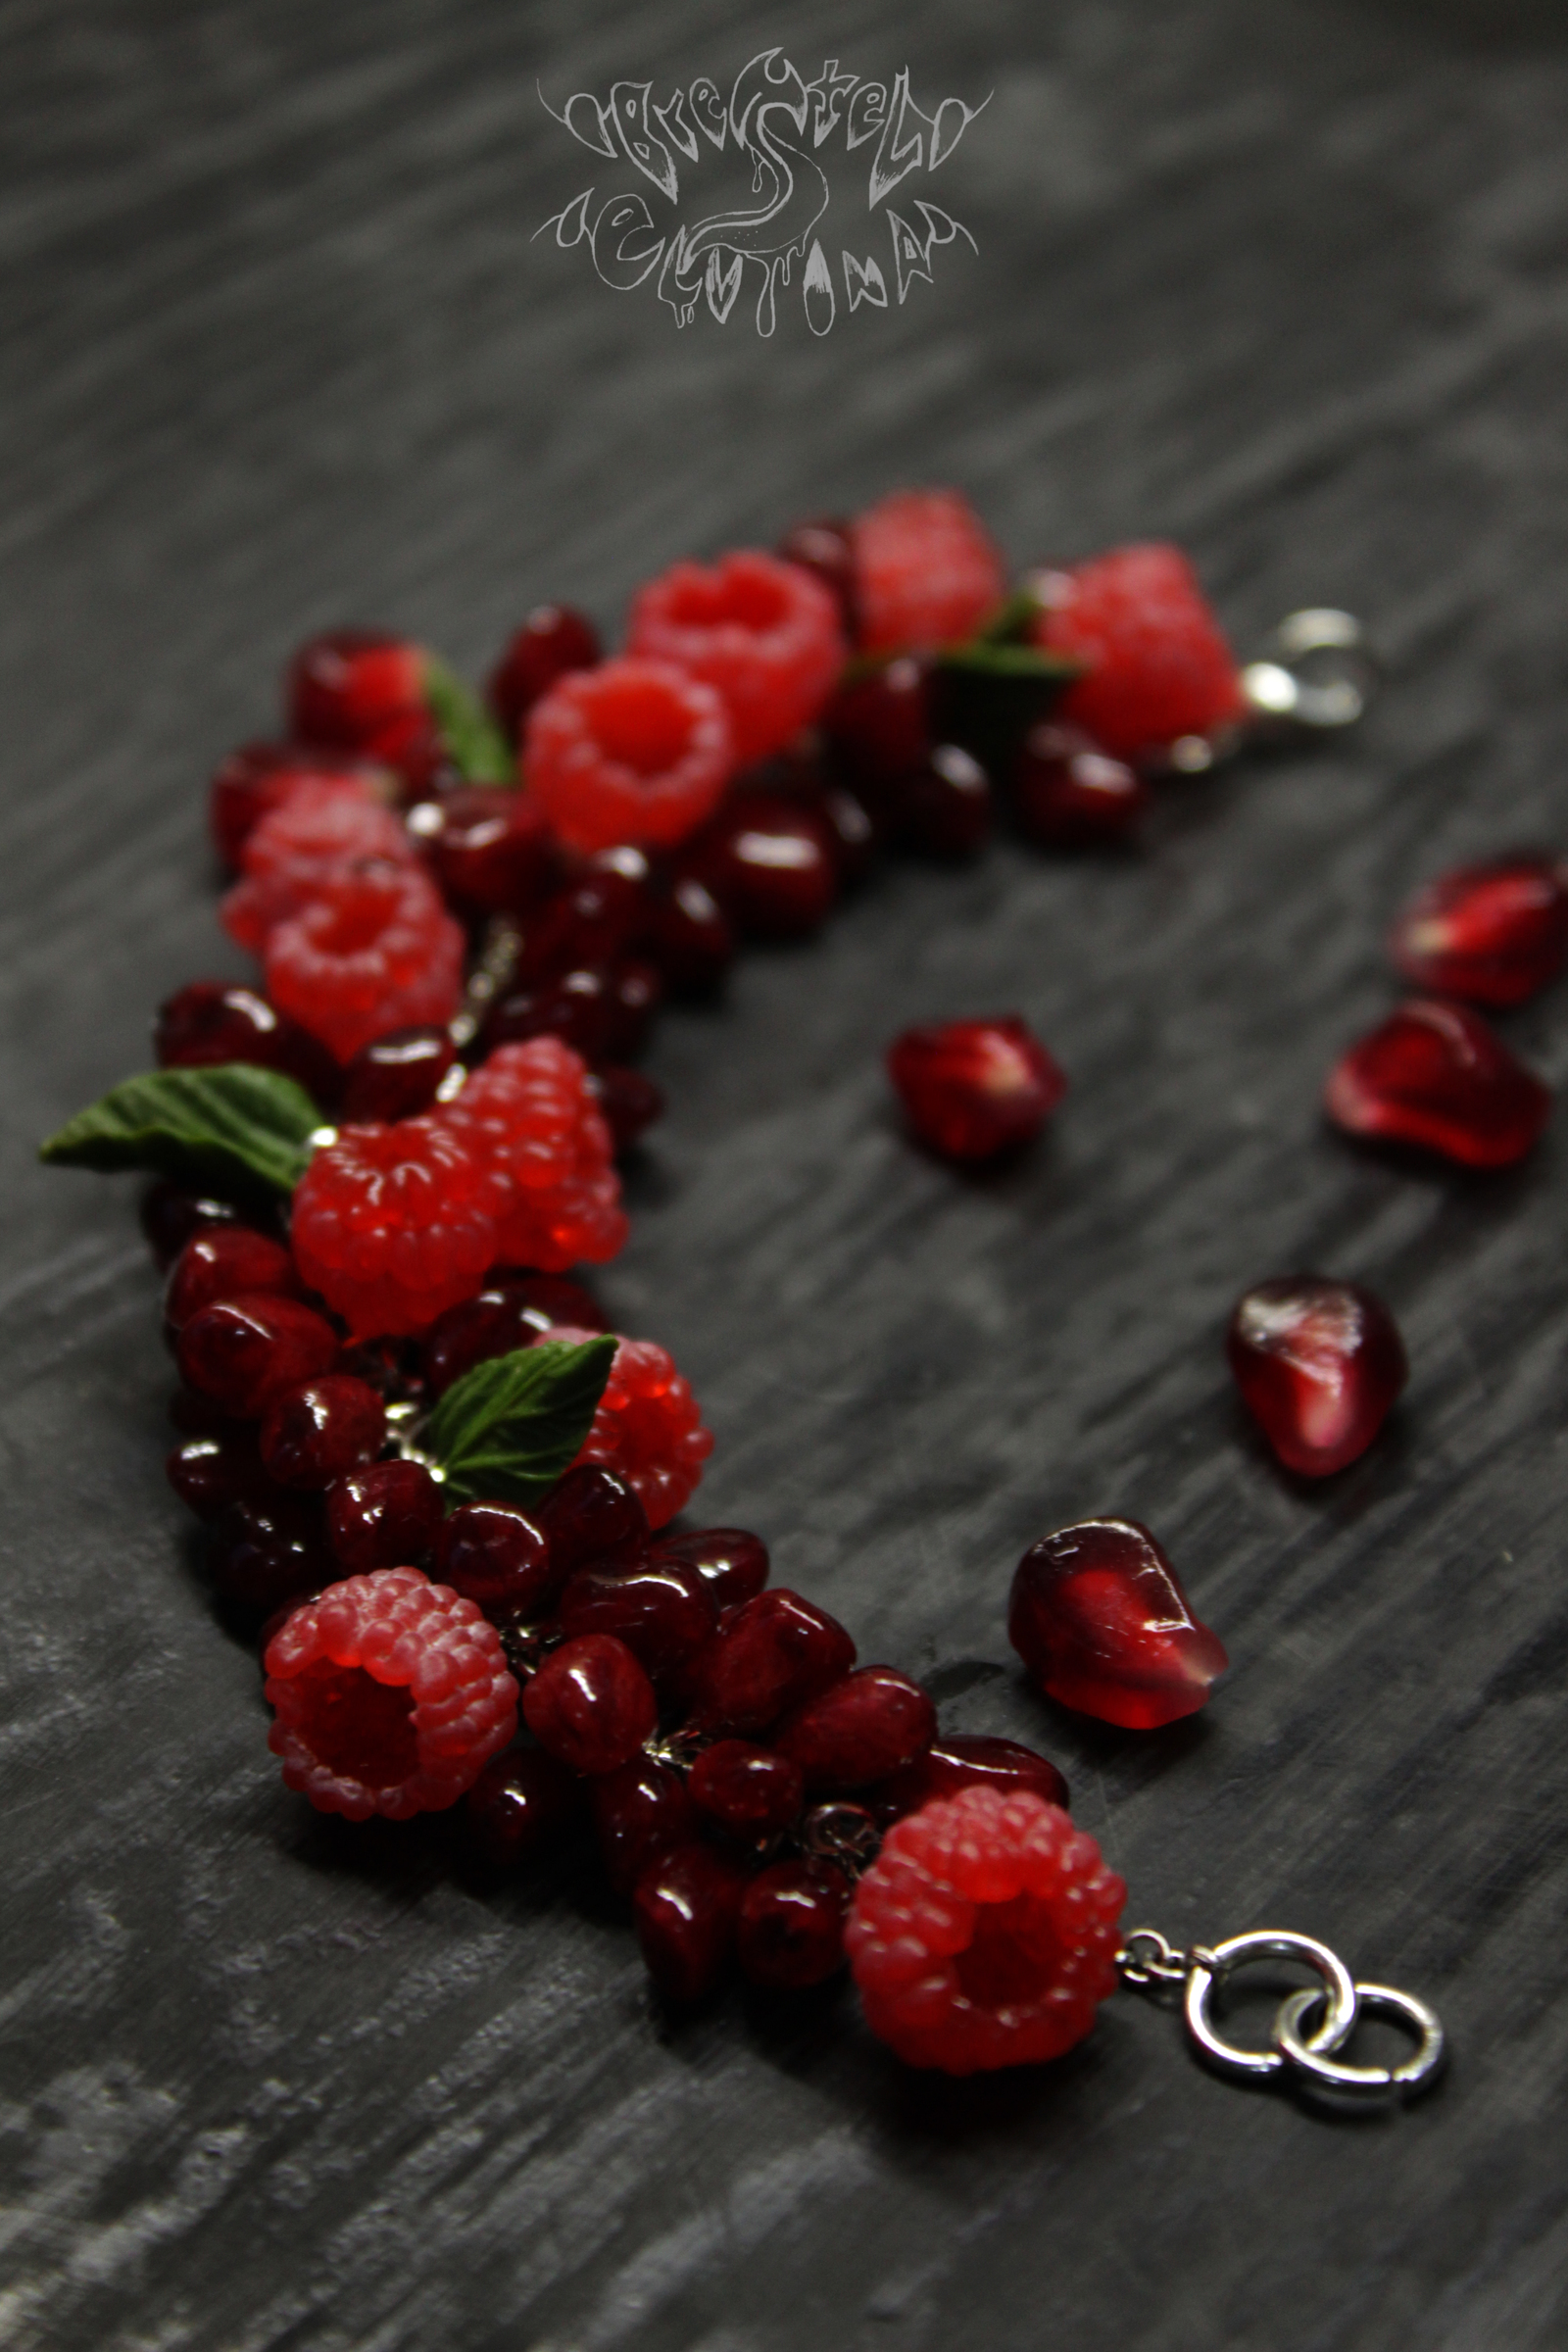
pixel 1436 1076
pixel 945 808
pixel 396 1076
pixel 822 545
pixel 768 860
pixel 753 1792
pixel 265 1553
pixel 385 1516
pixel 489 849
pixel 685 1908
pixel 851 830
pixel 556 1298
pixel 554 639
pixel 316 1433
pixel 775 1652
pixel 224 1262
pixel 253 780
pixel 1069 795
pixel 523 1800
pixel 579 1008
pixel 495 1555
pixel 636 992
pixel 690 938
pixel 663 1613
pixel 243 1352
pixel 973 1087
pixel 629 1104
pixel 591 1705
pixel 789 1932
pixel 209 1473
pixel 859 1731
pixel 642 1813
pixel 496 1322
pixel 1098 1618
pixel 1319 1364
pixel 1494 933
pixel 598 919
pixel 958 1760
pixel 592 1517
pixel 354 689
pixel 731 1561
pixel 213 1021
pixel 879 724
pixel 170 1215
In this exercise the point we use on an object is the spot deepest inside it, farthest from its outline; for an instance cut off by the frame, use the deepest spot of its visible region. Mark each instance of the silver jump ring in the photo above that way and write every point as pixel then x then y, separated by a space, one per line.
pixel 1209 1972
pixel 1318 673
pixel 1307 2056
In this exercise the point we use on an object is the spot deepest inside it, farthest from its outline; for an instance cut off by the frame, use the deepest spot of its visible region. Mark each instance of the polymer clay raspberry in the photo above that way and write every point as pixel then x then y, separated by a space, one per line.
pixel 325 824
pixel 985 1934
pixel 1156 665
pixel 648 1429
pixel 373 950
pixel 391 1694
pixel 394 1224
pixel 764 633
pixel 634 750
pixel 926 570
pixel 529 1115
pixel 262 776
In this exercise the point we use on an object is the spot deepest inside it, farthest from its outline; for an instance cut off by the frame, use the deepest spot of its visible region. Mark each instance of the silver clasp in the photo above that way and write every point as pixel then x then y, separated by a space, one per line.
pixel 1317 673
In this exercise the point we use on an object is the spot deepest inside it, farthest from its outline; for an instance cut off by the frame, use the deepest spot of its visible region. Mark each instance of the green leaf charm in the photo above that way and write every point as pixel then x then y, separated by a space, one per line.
pixel 507 1428
pixel 474 744
pixel 233 1124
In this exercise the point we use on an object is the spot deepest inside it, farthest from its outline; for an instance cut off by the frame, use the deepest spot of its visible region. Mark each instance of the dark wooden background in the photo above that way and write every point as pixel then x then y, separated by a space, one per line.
pixel 1289 282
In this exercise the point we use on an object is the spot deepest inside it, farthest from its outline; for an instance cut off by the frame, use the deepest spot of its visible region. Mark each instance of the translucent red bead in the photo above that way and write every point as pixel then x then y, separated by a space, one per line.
pixel 591 1705
pixel 1319 1364
pixel 971 1088
pixel 1492 933
pixel 1097 1616
pixel 1436 1076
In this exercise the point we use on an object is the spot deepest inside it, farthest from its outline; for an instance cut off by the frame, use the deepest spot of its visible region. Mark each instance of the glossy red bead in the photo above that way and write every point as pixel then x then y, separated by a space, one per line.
pixel 769 862
pixel 642 1812
pixel 593 1516
pixel 1492 933
pixel 589 925
pixel 751 1790
pixel 822 545
pixel 385 1516
pixel 170 1215
pixel 685 1908
pixel 628 1103
pixel 320 1431
pixel 396 1077
pixel 244 1351
pixel 523 1800
pixel 497 1321
pixel 774 1652
pixel 209 1022
pixel 209 1473
pixel 1318 1364
pixel 498 1557
pixel 579 1008
pixel 944 808
pixel 552 640
pixel 1435 1075
pixel 1097 1616
pixel 789 1931
pixel 556 1298
pixel 489 846
pixel 591 1705
pixel 663 1613
pixel 262 1553
pixel 1066 794
pixel 971 1088
pixel 690 938
pixel 958 1760
pixel 878 725
pixel 731 1561
pixel 224 1261
pixel 859 1731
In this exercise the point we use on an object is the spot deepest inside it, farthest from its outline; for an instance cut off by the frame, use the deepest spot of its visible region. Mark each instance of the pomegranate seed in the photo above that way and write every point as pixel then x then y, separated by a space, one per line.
pixel 226 1261
pixel 775 1652
pixel 521 1800
pixel 243 1352
pixel 823 547
pixel 749 1790
pixel 789 1932
pixel 969 1760
pixel 557 1300
pixel 496 1321
pixel 209 1473
pixel 1319 1364
pixel 770 863
pixel 396 1077
pixel 1068 794
pixel 316 1433
pixel 1098 1618
pixel 169 1216
pixel 264 1554
pixel 685 1909
pixel 554 639
pixel 489 848
pixel 1435 1075
pixel 642 1813
pixel 1494 933
pixel 944 808
pixel 732 1562
pixel 628 1103
pixel 591 1705
pixel 636 992
pixel 859 1730
pixel 385 1516
pixel 879 724
pixel 579 1008
pixel 496 1555
pixel 690 938
pixel 590 925
pixel 663 1613
pixel 593 1517
pixel 974 1087
pixel 213 1021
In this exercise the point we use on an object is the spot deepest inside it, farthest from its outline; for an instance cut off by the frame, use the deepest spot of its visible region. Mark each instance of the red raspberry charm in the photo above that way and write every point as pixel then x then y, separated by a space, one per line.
pixel 530 1116
pixel 262 776
pixel 371 949
pixel 985 1935
pixel 648 1429
pixel 1492 932
pixel 391 1696
pixel 1157 664
pixel 634 750
pixel 1319 1364
pixel 973 1087
pixel 393 1224
pixel 1435 1075
pixel 764 633
pixel 926 572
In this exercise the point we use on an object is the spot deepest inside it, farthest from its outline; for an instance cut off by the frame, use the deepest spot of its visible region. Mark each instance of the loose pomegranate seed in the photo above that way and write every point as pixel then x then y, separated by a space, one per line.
pixel 489 848
pixel 1068 794
pixel 209 1473
pixel 1319 1364
pixel 384 1516
pixel 685 1909
pixel 969 1760
pixel 318 1432
pixel 859 1731
pixel 628 1103
pixel 770 863
pixel 243 1352
pixel 749 1790
pixel 789 1931
pixel 663 1613
pixel 1494 933
pixel 642 1813
pixel 879 724
pixel 732 1562
pixel 974 1087
pixel 212 1021
pixel 226 1261
pixel 944 808
pixel 774 1652
pixel 496 1555
pixel 523 1800
pixel 593 1517
pixel 396 1077
pixel 1436 1076
pixel 1101 1621
pixel 554 639
pixel 823 547
pixel 591 1705
pixel 690 938
pixel 169 1216
pixel 264 1552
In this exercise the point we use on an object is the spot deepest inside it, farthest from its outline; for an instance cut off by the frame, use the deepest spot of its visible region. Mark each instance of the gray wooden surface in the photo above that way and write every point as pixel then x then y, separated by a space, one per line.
pixel 1288 282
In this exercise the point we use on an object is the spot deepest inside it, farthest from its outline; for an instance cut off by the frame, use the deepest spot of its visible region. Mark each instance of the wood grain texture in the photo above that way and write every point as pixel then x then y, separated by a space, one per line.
pixel 1288 282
